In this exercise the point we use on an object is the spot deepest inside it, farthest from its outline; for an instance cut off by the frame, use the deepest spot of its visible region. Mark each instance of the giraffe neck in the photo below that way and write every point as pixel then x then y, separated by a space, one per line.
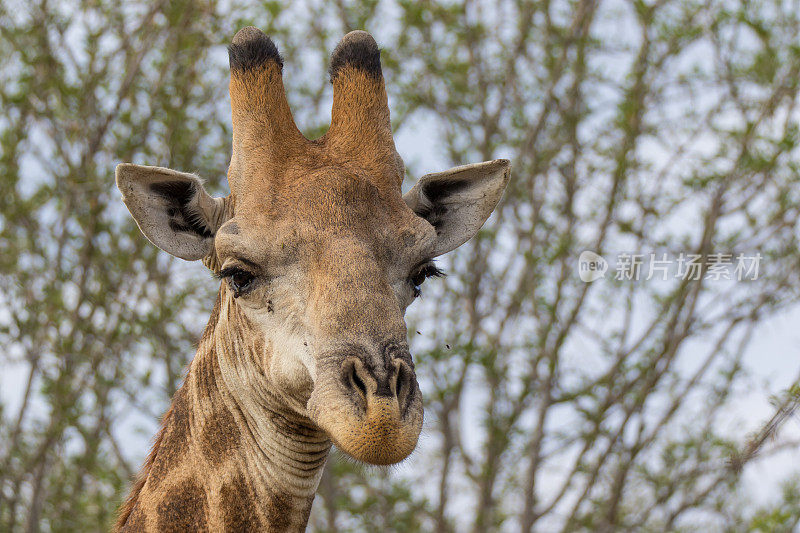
pixel 227 458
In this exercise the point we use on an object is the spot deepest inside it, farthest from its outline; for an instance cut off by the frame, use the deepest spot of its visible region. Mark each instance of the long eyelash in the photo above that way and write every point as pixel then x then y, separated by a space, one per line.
pixel 227 272
pixel 432 271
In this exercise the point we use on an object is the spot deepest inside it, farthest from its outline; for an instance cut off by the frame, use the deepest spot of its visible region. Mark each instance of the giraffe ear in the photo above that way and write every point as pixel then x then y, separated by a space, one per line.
pixel 172 209
pixel 458 201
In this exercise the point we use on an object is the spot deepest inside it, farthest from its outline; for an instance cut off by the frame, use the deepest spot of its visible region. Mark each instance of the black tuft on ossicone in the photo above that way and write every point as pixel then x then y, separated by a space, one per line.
pixel 359 50
pixel 251 48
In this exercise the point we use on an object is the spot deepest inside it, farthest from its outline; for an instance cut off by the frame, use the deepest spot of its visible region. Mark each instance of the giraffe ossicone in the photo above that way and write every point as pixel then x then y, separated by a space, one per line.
pixel 320 254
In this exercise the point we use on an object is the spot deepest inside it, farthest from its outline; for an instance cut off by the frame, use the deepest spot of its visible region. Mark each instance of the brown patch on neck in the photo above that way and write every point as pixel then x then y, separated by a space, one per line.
pixel 276 507
pixel 183 509
pixel 237 506
pixel 220 437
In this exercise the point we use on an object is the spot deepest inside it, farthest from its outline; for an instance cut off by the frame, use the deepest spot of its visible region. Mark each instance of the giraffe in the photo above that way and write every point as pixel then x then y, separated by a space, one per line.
pixel 319 255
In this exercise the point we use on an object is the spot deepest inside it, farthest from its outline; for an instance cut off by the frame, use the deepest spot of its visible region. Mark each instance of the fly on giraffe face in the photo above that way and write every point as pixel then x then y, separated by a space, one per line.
pixel 319 255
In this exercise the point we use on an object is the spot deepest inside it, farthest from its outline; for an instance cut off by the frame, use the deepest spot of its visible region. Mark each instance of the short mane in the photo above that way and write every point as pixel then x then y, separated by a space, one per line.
pixel 126 508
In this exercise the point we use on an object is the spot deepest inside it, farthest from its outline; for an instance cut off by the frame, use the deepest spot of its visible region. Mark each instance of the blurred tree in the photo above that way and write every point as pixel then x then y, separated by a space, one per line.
pixel 664 126
pixel 552 404
pixel 95 323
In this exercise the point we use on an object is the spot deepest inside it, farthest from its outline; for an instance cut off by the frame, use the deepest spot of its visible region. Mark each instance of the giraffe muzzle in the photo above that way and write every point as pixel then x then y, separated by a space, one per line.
pixel 371 412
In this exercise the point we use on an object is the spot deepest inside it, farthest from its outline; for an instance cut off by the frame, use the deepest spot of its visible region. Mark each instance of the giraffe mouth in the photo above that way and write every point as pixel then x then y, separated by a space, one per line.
pixel 380 437
pixel 366 423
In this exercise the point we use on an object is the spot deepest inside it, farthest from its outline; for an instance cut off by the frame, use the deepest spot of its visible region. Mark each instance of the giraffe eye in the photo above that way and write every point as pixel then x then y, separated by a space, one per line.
pixel 421 273
pixel 240 280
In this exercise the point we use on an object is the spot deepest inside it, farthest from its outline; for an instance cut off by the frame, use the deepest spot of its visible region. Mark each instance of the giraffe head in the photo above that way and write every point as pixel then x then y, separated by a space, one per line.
pixel 319 251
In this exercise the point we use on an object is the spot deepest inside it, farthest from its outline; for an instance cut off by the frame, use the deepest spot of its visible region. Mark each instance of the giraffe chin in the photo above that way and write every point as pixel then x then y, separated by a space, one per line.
pixel 378 435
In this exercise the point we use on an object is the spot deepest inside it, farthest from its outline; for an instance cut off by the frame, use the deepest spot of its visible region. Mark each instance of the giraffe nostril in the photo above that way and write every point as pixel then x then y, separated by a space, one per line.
pixel 354 380
pixel 357 382
pixel 404 386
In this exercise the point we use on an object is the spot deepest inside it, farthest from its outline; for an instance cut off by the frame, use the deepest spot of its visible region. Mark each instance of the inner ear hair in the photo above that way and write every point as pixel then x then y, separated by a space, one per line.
pixel 184 215
pixel 433 205
pixel 437 190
